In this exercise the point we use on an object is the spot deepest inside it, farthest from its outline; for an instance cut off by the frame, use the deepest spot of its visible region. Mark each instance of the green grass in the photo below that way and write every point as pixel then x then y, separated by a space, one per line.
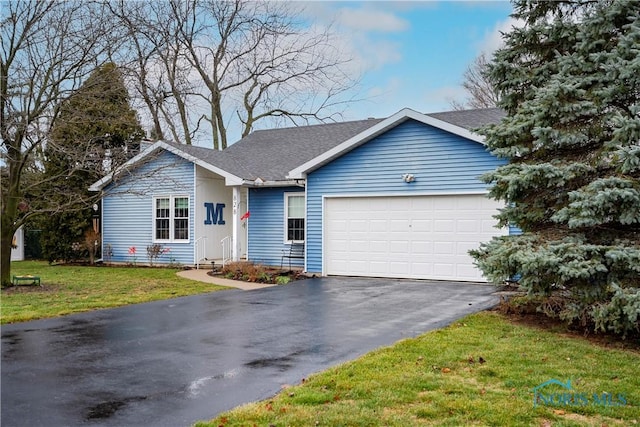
pixel 73 289
pixel 437 379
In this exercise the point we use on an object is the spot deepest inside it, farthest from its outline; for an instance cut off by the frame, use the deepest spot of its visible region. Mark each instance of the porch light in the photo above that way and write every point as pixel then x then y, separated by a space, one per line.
pixel 408 177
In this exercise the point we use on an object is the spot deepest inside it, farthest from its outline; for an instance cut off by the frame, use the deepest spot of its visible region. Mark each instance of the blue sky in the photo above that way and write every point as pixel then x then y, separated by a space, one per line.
pixel 413 54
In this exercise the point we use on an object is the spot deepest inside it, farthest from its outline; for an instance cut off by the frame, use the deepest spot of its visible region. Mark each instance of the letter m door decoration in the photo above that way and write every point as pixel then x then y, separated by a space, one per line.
pixel 214 213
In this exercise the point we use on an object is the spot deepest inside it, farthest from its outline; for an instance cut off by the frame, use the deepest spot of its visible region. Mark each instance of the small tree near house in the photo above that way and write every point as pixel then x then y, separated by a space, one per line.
pixel 96 131
pixel 570 83
pixel 91 243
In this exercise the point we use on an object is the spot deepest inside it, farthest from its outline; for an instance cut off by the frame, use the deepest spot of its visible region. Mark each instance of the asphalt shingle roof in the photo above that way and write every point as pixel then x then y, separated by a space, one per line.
pixel 471 119
pixel 221 159
pixel 271 154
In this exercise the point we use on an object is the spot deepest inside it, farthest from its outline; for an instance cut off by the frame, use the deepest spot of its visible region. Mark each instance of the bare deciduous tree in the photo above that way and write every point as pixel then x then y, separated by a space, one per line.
pixel 158 70
pixel 48 49
pixel 481 93
pixel 232 64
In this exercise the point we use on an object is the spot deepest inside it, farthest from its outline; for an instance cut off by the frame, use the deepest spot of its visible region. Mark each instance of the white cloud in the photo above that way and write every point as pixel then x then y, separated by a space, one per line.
pixel 368 19
pixel 357 33
pixel 440 99
pixel 391 86
pixel 367 16
pixel 492 40
pixel 371 56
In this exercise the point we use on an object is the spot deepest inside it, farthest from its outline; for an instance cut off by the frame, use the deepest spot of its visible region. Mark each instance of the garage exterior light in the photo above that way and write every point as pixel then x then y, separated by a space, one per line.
pixel 408 177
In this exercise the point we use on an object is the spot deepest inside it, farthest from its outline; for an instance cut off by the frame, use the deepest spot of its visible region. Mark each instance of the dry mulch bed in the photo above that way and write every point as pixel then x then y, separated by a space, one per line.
pixel 529 316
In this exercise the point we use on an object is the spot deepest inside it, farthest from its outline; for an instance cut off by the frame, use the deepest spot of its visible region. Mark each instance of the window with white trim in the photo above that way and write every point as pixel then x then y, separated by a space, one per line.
pixel 294 217
pixel 171 219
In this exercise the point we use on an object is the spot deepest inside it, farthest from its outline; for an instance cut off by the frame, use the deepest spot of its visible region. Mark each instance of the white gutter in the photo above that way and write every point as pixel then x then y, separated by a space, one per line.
pixel 287 183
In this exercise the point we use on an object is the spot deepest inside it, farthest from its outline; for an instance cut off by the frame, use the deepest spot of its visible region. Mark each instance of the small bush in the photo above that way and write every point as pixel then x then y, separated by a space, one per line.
pixel 155 251
pixel 246 271
pixel 282 280
pixel 251 272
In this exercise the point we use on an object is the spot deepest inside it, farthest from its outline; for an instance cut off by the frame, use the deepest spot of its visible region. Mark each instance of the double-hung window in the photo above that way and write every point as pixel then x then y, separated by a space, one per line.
pixel 162 218
pixel 294 217
pixel 171 219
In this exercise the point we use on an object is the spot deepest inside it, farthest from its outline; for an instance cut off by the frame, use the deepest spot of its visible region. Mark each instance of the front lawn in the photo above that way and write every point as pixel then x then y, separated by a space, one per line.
pixel 73 289
pixel 480 371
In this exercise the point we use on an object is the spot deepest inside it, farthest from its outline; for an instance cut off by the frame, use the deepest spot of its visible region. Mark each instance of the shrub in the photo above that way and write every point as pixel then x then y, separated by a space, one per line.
pixel 155 251
pixel 579 283
pixel 251 272
pixel 282 280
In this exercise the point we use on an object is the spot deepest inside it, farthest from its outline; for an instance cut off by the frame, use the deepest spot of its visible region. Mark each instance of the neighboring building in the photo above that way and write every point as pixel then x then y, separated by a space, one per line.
pixel 17 245
pixel 395 197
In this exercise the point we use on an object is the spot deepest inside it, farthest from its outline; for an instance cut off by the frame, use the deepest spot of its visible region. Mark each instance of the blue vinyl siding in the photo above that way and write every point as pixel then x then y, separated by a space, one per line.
pixel 266 225
pixel 127 209
pixel 514 230
pixel 440 161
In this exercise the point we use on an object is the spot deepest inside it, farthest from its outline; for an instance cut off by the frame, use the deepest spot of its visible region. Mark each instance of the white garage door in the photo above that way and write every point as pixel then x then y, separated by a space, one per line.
pixel 420 237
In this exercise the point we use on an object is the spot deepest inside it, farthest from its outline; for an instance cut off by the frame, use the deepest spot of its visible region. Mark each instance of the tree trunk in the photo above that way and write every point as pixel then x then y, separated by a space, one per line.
pixel 217 120
pixel 6 239
pixel 214 128
pixel 184 119
pixel 9 212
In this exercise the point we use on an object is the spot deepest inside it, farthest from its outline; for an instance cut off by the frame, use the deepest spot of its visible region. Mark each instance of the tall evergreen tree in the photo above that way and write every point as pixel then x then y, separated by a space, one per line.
pixel 96 131
pixel 570 83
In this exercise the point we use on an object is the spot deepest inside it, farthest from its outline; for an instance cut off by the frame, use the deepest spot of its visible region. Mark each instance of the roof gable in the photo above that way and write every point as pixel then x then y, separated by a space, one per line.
pixel 200 156
pixel 378 129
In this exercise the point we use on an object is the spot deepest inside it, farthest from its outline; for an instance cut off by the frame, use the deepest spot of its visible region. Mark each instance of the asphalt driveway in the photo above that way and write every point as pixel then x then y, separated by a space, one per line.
pixel 173 362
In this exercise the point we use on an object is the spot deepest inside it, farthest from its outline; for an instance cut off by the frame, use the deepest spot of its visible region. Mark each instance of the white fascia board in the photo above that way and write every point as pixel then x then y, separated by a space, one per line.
pixel 288 183
pixel 230 179
pixel 401 116
pixel 99 185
